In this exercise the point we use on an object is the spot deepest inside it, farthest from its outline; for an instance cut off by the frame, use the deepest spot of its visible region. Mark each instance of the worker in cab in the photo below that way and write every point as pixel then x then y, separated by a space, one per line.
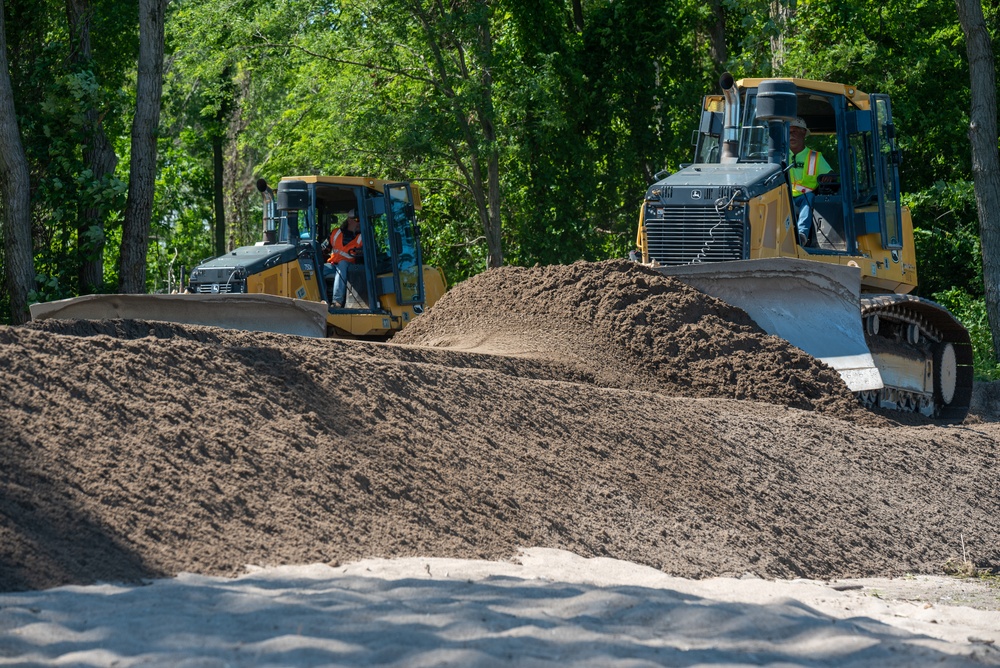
pixel 345 249
pixel 805 168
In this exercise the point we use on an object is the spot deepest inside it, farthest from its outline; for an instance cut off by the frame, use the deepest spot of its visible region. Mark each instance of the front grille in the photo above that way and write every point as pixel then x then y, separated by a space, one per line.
pixel 678 235
pixel 231 288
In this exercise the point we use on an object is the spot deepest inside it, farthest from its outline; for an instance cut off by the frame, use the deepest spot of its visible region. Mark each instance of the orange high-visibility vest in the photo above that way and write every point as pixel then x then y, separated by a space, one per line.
pixel 341 250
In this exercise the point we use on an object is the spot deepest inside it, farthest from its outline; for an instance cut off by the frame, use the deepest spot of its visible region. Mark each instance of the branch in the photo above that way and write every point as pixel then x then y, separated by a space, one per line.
pixel 468 243
pixel 455 182
pixel 370 66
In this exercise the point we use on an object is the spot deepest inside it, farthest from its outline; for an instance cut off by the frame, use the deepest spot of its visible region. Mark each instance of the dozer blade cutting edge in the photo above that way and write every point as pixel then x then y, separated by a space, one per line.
pixel 252 312
pixel 813 305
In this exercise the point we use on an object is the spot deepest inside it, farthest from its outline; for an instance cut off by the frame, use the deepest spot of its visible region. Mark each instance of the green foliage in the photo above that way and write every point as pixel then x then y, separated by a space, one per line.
pixel 65 184
pixel 648 74
pixel 59 99
pixel 751 27
pixel 971 312
pixel 458 250
pixel 912 50
pixel 946 236
pixel 182 234
pixel 548 189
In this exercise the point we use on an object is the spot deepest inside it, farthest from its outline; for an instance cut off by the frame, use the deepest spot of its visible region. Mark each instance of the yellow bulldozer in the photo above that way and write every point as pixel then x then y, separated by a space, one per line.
pixel 726 224
pixel 278 284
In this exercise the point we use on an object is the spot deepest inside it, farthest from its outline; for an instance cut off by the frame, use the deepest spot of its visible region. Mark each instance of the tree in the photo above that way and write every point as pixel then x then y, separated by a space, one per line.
pixel 459 66
pixel 142 168
pixel 15 186
pixel 985 157
pixel 99 156
pixel 226 84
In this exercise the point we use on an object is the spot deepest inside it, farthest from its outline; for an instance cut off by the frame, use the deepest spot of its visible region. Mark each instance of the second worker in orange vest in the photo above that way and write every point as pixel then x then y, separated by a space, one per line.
pixel 345 248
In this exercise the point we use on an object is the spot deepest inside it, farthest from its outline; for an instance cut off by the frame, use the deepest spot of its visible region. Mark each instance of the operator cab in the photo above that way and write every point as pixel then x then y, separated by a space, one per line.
pixel 857 138
pixel 308 209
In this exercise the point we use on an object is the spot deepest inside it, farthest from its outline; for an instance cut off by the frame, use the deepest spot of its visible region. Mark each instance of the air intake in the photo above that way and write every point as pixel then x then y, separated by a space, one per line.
pixel 678 235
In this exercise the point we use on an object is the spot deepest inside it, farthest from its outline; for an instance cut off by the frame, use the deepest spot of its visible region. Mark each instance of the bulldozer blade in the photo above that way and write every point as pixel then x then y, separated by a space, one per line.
pixel 251 312
pixel 815 306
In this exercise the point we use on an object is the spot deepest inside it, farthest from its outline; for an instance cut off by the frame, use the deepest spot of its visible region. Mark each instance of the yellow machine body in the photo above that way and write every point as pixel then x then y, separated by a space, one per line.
pixel 727 224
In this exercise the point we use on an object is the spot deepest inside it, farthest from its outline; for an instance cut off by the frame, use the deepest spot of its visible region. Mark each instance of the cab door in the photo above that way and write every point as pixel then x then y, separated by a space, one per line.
pixel 404 244
pixel 887 158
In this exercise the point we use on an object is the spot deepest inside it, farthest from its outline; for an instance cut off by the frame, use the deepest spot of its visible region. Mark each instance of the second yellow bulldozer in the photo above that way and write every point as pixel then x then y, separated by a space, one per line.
pixel 278 284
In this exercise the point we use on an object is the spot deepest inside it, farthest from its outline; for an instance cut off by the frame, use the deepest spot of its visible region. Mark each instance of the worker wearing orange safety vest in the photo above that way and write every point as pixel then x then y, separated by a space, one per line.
pixel 345 248
pixel 805 168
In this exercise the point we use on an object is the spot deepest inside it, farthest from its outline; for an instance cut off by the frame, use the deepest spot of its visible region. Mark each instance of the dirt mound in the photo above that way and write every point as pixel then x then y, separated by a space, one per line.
pixel 133 449
pixel 630 327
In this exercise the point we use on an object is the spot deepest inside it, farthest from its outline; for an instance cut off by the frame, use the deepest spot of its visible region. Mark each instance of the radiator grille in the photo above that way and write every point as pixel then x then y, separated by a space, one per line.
pixel 678 235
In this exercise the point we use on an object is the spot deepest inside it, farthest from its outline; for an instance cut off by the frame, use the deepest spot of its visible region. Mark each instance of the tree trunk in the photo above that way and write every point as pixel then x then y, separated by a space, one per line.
pixel 98 155
pixel 239 179
pixel 781 13
pixel 142 169
pixel 578 15
pixel 220 208
pixel 15 190
pixel 985 156
pixel 219 133
pixel 487 115
pixel 101 159
pixel 717 36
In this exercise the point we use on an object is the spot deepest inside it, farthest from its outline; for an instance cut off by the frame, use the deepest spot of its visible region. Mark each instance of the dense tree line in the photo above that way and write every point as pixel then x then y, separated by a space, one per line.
pixel 533 128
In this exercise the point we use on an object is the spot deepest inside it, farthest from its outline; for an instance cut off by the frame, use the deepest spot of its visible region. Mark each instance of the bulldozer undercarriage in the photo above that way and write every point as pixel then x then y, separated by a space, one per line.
pixel 923 355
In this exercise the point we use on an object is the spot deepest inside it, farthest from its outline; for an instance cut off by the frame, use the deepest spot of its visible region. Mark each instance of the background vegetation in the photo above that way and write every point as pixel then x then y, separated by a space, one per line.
pixel 532 128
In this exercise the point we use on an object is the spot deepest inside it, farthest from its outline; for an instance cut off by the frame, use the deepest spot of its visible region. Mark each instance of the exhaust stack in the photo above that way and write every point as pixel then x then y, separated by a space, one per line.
pixel 269 235
pixel 731 119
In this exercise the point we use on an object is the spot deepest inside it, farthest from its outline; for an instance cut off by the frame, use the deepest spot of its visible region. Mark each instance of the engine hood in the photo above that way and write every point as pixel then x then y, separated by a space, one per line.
pixel 703 184
pixel 246 261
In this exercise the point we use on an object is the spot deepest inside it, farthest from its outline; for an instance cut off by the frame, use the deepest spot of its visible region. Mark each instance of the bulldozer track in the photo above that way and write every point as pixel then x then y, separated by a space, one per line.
pixel 907 325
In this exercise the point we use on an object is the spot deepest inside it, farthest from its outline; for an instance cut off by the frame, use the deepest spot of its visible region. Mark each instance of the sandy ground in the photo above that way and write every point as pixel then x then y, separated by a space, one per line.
pixel 623 471
pixel 544 608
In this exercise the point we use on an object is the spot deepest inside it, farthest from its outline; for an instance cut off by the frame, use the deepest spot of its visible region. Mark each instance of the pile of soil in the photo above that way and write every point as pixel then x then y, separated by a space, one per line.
pixel 625 415
pixel 624 325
